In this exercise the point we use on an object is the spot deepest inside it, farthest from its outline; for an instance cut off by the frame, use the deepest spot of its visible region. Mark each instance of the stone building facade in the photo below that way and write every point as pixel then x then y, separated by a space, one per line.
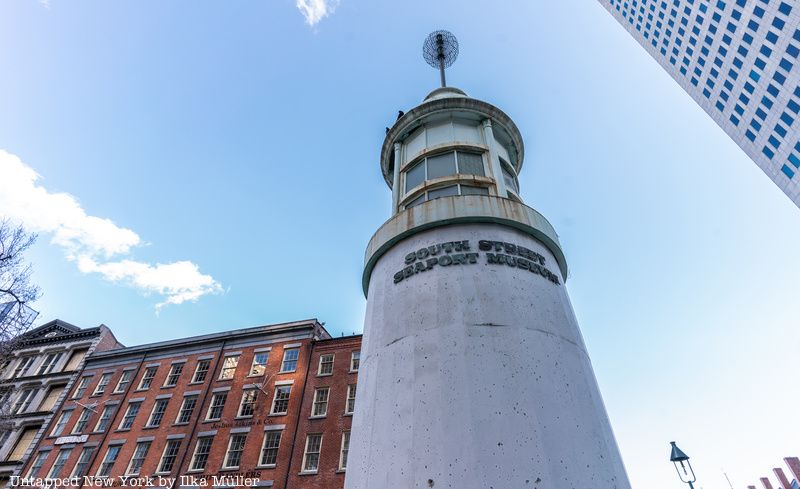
pixel 44 365
pixel 268 406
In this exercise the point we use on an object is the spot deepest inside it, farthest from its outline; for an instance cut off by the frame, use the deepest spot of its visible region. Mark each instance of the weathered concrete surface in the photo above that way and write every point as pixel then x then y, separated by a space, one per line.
pixel 461 209
pixel 475 376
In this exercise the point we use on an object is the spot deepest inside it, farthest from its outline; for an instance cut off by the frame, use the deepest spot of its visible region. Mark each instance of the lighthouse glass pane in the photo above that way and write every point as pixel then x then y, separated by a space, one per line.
pixel 441 165
pixel 470 163
pixel 416 201
pixel 443 192
pixel 471 190
pixel 415 175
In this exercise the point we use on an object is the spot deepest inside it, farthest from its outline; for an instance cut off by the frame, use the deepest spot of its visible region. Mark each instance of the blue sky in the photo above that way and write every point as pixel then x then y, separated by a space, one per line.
pixel 222 159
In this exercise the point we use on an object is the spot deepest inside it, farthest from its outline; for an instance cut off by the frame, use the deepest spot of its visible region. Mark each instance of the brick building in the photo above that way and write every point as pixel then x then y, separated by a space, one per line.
pixel 270 403
pixel 43 365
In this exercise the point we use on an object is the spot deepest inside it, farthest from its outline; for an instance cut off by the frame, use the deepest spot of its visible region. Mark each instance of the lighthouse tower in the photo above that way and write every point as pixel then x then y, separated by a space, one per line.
pixel 473 374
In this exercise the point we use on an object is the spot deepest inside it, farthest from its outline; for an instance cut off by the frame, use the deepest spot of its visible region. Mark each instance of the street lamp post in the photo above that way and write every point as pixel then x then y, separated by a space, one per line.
pixel 682 465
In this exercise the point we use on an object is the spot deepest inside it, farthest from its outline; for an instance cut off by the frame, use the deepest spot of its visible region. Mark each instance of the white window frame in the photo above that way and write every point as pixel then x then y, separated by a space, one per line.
pixel 286 352
pixel 355 356
pixel 245 393
pixel 82 387
pixel 275 399
pixel 117 449
pixel 351 399
pixel 143 456
pixel 306 453
pixel 232 369
pixel 211 405
pixel 264 447
pixel 123 381
pixel 58 429
pixel 131 405
pixel 170 443
pixel 319 406
pixel 101 386
pixel 49 362
pixel 328 364
pixel 344 450
pixel 175 366
pixel 197 371
pixel 158 402
pixel 83 458
pixel 186 399
pixel 226 460
pixel 52 472
pixel 111 409
pixel 193 461
pixel 82 421
pixel 148 378
pixel 262 366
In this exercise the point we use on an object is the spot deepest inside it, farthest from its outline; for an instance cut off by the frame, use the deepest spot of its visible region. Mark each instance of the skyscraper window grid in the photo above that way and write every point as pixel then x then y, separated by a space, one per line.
pixel 737 59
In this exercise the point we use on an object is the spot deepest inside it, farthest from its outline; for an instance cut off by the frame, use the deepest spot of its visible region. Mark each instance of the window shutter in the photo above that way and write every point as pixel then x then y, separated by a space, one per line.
pixel 52 396
pixel 75 359
pixel 23 443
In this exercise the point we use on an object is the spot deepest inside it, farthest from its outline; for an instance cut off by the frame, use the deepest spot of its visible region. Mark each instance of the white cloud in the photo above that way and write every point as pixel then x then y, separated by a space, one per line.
pixel 316 10
pixel 92 241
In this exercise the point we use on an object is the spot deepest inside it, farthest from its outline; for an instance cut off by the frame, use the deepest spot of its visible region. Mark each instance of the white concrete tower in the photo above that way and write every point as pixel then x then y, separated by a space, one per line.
pixel 473 374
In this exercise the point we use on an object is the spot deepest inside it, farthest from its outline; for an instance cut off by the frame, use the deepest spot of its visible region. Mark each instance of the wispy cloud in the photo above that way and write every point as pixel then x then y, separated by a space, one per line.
pixel 94 243
pixel 316 10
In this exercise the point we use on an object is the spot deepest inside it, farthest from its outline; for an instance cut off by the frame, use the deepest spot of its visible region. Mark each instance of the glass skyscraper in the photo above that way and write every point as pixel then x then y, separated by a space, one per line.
pixel 738 59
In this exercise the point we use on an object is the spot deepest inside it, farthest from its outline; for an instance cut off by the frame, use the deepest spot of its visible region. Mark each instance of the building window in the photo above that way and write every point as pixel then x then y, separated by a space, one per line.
pixel 289 363
pixel 169 456
pixel 320 407
pixel 325 364
pixel 157 413
pixel 355 361
pixel 350 405
pixel 82 465
pixel 229 367
pixel 311 453
pixel 248 404
pixel 147 378
pixel 216 406
pixel 101 386
pixel 259 363
pixel 37 464
pixel 62 422
pixel 345 450
pixel 105 418
pixel 75 359
pixel 137 460
pixel 234 454
pixel 22 367
pixel 127 376
pixel 49 363
pixel 80 390
pixel 444 165
pixel 448 191
pixel 280 403
pixel 201 451
pixel 61 461
pixel 51 398
pixel 269 449
pixel 185 414
pixel 174 374
pixel 130 415
pixel 201 371
pixel 24 401
pixel 108 461
pixel 509 176
pixel 83 420
pixel 23 443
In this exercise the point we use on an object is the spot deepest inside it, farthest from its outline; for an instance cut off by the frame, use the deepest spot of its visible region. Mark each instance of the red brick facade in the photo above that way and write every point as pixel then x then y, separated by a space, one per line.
pixel 259 382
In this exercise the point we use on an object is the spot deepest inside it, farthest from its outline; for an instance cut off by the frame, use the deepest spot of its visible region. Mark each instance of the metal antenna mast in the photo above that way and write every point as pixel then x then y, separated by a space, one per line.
pixel 440 50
